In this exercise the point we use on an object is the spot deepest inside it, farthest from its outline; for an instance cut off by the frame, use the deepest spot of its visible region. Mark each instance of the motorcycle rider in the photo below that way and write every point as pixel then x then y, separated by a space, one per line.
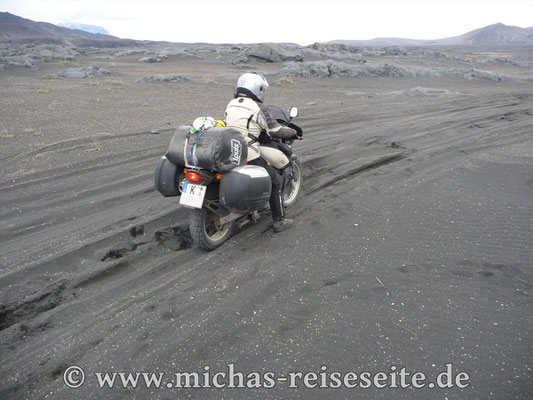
pixel 247 113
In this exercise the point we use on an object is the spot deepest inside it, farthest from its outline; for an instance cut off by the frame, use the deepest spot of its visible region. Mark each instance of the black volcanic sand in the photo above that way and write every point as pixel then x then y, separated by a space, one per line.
pixel 412 247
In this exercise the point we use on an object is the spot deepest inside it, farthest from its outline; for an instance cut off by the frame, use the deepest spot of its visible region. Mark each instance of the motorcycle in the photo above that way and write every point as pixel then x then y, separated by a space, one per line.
pixel 211 222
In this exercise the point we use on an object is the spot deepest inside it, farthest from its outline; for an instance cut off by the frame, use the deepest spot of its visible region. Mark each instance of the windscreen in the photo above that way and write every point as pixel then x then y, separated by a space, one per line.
pixel 278 113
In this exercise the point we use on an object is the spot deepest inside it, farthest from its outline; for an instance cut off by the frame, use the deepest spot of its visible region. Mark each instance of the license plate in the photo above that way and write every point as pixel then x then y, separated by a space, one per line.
pixel 193 195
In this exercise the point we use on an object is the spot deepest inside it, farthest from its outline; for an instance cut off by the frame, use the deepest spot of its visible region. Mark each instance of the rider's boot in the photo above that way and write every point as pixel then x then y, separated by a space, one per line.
pixel 283 224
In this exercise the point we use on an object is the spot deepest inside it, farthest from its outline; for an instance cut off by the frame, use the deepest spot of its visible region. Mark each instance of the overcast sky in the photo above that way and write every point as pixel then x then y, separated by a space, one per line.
pixel 298 21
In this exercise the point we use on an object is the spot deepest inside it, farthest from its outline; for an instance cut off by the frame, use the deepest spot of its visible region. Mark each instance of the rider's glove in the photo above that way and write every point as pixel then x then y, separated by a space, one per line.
pixel 299 132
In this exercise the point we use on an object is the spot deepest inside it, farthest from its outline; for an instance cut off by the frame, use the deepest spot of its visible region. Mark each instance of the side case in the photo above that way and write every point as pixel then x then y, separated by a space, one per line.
pixel 245 188
pixel 166 177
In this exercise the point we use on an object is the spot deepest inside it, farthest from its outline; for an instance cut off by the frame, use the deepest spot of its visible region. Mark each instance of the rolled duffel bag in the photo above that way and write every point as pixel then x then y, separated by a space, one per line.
pixel 166 177
pixel 215 149
pixel 245 188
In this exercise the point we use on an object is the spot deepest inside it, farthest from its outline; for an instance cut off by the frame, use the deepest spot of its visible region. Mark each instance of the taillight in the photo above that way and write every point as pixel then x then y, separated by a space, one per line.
pixel 194 177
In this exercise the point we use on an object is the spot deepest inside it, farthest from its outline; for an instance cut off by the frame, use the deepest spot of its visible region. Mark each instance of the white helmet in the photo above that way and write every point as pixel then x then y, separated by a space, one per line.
pixel 252 85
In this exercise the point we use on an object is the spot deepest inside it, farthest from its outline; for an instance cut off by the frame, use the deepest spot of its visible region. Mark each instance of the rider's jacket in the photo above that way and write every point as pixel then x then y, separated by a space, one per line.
pixel 252 118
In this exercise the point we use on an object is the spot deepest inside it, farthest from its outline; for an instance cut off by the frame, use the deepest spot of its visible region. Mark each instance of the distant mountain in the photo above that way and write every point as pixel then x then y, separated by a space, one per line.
pixel 84 27
pixel 384 42
pixel 492 35
pixel 14 29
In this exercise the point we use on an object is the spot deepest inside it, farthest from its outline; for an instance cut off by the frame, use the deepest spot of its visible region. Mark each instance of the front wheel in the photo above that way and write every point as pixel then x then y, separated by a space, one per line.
pixel 292 187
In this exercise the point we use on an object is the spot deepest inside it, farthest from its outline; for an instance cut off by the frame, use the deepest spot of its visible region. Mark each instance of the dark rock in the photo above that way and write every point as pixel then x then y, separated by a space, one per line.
pixel 83 72
pixel 152 59
pixel 271 52
pixel 162 78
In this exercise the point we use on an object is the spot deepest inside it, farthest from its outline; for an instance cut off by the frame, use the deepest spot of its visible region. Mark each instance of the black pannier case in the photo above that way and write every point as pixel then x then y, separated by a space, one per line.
pixel 215 149
pixel 166 177
pixel 245 188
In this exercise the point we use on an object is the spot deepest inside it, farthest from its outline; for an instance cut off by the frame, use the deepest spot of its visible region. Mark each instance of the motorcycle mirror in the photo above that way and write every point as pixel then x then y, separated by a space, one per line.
pixel 293 112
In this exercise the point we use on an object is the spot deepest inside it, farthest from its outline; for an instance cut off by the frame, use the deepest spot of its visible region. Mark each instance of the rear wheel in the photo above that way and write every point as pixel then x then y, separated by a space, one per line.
pixel 292 188
pixel 206 230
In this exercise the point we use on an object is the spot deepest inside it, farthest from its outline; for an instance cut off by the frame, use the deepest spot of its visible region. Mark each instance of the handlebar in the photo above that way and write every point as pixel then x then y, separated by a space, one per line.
pixel 291 125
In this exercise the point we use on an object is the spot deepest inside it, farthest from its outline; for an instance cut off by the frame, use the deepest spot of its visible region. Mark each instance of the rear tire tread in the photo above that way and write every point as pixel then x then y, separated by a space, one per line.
pixel 196 228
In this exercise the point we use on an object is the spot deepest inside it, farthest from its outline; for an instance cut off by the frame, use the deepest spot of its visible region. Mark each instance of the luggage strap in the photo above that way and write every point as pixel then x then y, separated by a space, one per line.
pixel 191 160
